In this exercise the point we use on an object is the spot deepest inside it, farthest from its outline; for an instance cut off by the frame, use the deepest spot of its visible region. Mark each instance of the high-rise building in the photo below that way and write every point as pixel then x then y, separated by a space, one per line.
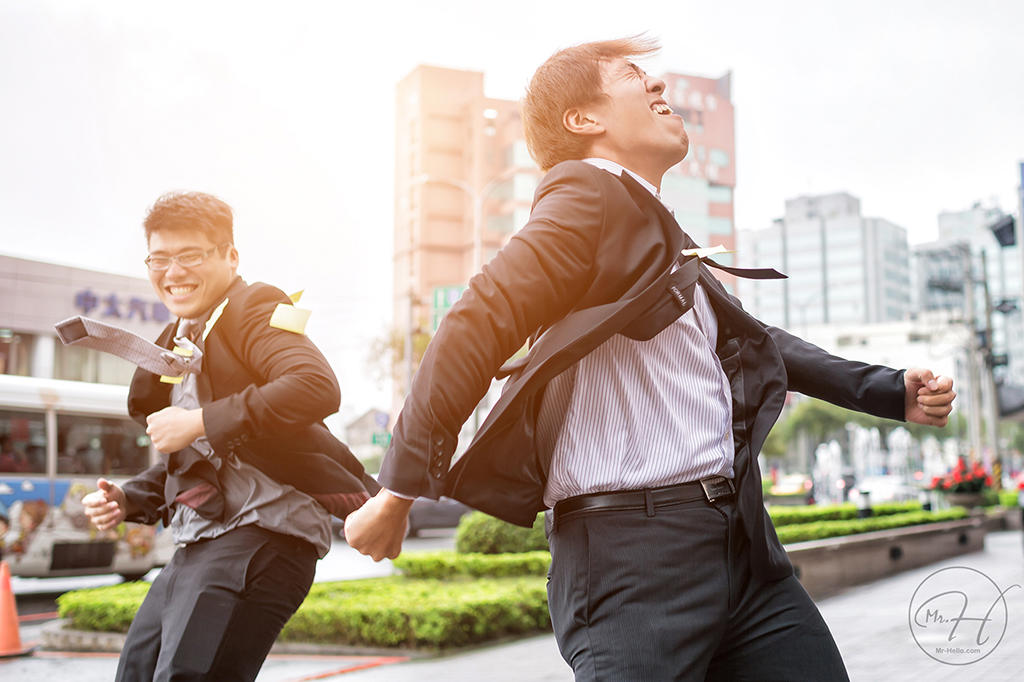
pixel 464 182
pixel 843 268
pixel 700 188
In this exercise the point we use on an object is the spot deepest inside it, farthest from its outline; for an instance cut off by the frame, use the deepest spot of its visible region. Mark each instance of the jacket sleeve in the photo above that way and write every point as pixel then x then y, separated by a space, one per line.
pixel 296 386
pixel 534 280
pixel 873 389
pixel 145 495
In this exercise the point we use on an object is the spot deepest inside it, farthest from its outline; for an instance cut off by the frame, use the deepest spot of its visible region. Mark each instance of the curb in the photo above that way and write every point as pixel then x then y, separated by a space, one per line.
pixel 57 636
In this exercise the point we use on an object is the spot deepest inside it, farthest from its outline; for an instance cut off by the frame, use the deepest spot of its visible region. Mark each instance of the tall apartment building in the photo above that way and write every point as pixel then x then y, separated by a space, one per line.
pixel 843 268
pixel 700 188
pixel 464 182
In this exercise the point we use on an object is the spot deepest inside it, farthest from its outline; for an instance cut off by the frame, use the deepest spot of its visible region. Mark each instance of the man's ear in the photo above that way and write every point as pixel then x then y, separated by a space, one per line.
pixel 581 122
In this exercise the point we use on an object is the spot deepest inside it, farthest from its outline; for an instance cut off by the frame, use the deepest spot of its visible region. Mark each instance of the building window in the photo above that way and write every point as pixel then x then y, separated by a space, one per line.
pixel 719 157
pixel 15 352
pixel 720 194
pixel 720 226
pixel 500 223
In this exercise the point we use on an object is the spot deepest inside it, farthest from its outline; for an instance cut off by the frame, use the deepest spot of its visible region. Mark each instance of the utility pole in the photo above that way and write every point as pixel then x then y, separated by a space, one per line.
pixel 973 353
pixel 992 404
pixel 1019 234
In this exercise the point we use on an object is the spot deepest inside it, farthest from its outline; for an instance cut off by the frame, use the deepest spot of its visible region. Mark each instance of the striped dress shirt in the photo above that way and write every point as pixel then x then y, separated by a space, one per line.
pixel 640 414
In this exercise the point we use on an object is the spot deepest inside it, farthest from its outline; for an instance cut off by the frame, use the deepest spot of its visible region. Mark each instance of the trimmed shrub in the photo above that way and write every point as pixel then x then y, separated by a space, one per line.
pixel 417 613
pixel 799 532
pixel 483 534
pixel 444 565
pixel 378 612
pixel 784 516
pixel 107 609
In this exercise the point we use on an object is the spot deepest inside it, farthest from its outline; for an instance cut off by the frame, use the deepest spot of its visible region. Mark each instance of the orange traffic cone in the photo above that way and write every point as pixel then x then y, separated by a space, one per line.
pixel 10 640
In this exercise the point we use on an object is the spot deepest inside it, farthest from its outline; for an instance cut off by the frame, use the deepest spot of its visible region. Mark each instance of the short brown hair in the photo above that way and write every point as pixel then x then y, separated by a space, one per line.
pixel 570 78
pixel 191 211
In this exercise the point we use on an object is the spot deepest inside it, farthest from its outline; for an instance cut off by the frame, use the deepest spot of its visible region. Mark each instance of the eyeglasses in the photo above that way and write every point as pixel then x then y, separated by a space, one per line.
pixel 186 259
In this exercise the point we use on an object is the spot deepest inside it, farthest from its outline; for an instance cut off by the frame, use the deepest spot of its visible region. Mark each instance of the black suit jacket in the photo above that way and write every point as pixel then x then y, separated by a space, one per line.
pixel 595 260
pixel 264 393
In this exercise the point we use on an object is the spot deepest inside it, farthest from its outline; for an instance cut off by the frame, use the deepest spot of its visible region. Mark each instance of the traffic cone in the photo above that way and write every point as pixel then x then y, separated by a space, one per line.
pixel 10 640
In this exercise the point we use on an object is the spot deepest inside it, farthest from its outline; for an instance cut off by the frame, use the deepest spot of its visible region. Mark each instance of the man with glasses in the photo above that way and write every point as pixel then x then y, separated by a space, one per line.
pixel 249 471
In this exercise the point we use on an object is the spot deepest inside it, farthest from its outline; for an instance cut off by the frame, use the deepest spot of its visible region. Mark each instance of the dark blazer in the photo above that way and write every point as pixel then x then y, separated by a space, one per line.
pixel 595 260
pixel 264 393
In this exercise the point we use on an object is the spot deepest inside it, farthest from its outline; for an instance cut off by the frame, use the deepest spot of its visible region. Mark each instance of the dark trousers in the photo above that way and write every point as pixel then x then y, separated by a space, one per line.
pixel 670 596
pixel 215 610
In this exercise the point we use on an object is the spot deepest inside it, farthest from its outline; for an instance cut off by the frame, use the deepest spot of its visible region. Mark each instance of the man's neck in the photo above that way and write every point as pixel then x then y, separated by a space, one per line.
pixel 617 168
pixel 647 171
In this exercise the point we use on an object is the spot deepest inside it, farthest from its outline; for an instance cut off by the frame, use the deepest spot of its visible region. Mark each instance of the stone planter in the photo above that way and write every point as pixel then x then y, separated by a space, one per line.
pixel 968 500
pixel 828 566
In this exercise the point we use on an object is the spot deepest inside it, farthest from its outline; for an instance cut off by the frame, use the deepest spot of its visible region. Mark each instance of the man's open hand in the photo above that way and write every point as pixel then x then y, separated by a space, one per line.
pixel 379 526
pixel 929 398
pixel 105 507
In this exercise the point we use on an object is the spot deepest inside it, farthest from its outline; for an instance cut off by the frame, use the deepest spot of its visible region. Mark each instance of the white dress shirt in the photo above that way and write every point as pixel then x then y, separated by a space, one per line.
pixel 640 414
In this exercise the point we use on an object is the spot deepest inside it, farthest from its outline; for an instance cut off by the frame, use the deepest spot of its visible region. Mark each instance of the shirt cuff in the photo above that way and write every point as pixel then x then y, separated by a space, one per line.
pixel 401 495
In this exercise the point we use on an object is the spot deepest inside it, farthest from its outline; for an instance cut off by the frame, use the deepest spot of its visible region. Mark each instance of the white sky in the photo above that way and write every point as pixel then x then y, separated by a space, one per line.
pixel 286 110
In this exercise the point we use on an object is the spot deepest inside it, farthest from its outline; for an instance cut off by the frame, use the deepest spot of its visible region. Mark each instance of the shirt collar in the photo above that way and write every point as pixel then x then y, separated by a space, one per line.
pixel 617 169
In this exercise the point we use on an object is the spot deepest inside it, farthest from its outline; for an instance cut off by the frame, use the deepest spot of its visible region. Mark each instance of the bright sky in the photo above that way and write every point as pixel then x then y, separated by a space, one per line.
pixel 286 111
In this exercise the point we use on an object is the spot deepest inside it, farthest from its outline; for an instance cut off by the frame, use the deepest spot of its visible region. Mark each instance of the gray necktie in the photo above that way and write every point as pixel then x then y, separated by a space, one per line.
pixel 89 333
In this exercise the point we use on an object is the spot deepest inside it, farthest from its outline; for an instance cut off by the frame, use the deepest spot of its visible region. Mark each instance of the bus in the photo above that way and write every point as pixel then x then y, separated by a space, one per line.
pixel 56 438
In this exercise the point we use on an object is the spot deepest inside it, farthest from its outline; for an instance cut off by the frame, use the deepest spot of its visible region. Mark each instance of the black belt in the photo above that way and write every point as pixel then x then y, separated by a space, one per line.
pixel 710 488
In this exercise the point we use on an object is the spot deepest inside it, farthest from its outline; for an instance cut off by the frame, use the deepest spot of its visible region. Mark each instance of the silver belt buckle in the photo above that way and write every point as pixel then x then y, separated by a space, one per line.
pixel 716 487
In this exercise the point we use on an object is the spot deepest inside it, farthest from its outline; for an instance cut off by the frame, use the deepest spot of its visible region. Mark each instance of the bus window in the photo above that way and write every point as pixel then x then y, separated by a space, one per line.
pixel 22 442
pixel 101 446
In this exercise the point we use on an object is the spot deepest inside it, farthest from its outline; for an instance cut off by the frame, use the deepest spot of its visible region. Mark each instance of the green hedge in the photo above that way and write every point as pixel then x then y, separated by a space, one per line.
pixel 378 612
pixel 799 532
pixel 480 533
pixel 443 565
pixel 405 612
pixel 784 516
pixel 107 609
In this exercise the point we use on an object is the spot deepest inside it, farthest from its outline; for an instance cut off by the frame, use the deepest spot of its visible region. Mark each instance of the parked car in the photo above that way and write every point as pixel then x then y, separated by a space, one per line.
pixel 425 513
pixel 791 489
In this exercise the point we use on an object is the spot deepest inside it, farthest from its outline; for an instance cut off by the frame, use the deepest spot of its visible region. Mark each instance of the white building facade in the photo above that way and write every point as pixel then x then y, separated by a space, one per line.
pixel 843 268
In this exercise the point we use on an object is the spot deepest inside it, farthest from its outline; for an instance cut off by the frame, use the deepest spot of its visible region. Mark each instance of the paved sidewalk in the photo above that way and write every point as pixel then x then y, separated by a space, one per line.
pixel 870 623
